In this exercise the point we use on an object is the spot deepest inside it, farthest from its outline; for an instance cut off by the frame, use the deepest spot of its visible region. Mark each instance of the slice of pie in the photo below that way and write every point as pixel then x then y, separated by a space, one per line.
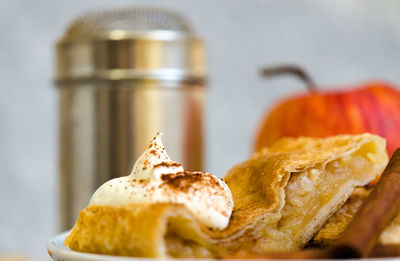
pixel 282 196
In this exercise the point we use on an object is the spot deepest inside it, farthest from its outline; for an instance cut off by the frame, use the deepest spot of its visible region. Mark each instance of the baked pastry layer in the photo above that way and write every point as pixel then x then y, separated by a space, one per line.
pixel 142 230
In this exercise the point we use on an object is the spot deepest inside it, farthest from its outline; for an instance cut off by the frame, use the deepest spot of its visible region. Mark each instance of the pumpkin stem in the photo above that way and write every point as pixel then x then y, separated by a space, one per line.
pixel 290 70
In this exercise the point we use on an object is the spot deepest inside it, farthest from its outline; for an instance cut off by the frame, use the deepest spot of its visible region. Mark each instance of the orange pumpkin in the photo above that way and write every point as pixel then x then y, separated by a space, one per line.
pixel 371 107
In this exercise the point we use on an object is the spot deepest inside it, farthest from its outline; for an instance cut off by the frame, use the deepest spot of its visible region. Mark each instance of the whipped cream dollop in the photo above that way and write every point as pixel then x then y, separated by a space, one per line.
pixel 157 178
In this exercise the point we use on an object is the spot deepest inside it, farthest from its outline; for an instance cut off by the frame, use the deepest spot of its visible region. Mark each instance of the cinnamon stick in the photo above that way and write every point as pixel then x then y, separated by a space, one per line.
pixel 385 251
pixel 304 254
pixel 377 251
pixel 374 215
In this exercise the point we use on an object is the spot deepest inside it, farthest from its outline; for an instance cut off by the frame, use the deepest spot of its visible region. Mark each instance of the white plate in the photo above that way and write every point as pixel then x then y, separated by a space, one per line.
pixel 59 252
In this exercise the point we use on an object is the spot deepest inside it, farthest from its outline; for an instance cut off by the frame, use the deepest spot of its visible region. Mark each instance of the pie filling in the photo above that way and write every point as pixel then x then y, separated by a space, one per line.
pixel 311 197
pixel 178 247
pixel 182 239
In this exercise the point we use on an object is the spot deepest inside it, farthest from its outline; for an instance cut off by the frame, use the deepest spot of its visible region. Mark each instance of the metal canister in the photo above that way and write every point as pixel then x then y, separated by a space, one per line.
pixel 122 75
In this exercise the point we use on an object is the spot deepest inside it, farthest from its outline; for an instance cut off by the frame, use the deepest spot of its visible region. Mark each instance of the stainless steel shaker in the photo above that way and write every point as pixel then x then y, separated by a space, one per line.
pixel 122 75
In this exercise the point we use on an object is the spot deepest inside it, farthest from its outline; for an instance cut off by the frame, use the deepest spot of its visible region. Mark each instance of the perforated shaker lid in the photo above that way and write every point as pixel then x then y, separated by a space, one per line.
pixel 130 43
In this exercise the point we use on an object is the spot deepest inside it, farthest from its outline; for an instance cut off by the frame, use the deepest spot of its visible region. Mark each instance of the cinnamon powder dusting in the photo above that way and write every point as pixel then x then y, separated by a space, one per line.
pixel 167 164
pixel 184 181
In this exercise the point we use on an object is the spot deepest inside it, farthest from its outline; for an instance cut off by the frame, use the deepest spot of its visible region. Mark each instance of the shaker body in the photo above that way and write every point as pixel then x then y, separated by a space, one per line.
pixel 122 75
pixel 105 126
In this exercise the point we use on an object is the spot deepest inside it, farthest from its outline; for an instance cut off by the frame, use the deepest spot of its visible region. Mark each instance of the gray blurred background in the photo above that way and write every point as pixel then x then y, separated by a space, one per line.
pixel 339 42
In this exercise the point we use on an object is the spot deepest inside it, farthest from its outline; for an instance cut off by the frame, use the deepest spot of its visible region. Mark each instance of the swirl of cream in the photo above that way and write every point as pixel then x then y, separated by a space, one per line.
pixel 157 178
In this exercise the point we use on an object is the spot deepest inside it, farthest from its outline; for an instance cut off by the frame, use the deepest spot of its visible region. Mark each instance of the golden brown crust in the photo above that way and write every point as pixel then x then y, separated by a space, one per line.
pixel 133 230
